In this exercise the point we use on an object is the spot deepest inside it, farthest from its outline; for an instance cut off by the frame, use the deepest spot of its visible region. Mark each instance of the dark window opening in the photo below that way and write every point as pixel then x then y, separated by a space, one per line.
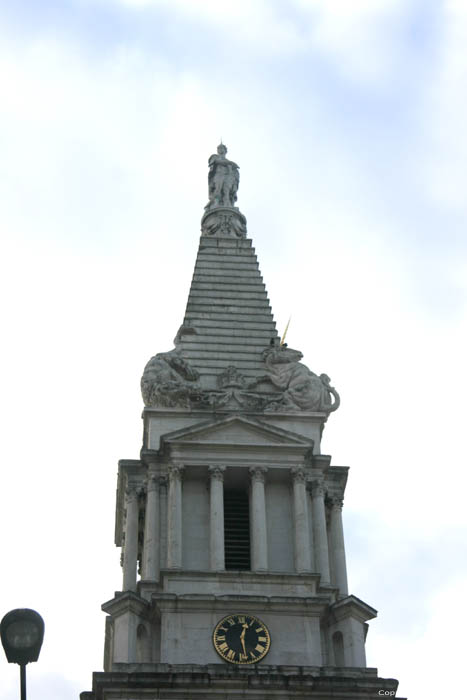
pixel 237 530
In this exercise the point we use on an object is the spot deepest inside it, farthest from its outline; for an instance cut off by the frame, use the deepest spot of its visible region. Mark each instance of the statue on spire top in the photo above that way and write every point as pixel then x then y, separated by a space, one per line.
pixel 223 180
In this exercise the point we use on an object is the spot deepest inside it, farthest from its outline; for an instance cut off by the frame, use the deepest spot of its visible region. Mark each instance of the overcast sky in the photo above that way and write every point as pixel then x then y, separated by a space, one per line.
pixel 348 122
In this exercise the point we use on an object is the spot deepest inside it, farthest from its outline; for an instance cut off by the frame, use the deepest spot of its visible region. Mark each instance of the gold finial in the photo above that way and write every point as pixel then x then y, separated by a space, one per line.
pixel 285 332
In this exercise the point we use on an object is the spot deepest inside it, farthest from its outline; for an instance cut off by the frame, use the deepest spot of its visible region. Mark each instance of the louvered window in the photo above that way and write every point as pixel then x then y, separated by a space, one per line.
pixel 237 530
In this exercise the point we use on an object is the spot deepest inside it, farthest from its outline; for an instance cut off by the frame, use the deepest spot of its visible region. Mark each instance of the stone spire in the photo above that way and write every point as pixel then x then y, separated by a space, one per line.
pixel 227 351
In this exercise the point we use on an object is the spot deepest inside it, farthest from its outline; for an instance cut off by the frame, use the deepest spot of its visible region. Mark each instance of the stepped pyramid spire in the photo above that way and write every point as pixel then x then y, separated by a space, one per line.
pixel 227 351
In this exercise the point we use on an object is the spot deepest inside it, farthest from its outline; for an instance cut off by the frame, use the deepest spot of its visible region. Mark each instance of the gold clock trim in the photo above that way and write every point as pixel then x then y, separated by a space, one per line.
pixel 228 654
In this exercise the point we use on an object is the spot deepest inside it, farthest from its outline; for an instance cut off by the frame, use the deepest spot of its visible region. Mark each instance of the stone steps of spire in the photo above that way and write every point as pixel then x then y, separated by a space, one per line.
pixel 228 278
pixel 246 326
pixel 201 353
pixel 215 280
pixel 221 344
pixel 222 292
pixel 235 313
pixel 229 315
pixel 229 310
pixel 226 335
pixel 211 262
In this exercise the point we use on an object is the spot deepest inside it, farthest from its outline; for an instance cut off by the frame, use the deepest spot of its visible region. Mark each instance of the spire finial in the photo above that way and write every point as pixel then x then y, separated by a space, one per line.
pixel 224 217
pixel 223 179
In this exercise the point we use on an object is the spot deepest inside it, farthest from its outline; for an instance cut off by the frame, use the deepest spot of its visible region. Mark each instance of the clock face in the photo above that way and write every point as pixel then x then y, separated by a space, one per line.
pixel 241 639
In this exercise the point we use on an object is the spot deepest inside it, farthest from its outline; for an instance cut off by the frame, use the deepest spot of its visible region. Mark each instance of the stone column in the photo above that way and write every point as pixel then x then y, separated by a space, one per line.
pixel 130 555
pixel 163 481
pixel 216 524
pixel 258 531
pixel 320 537
pixel 310 527
pixel 174 517
pixel 301 526
pixel 338 547
pixel 151 551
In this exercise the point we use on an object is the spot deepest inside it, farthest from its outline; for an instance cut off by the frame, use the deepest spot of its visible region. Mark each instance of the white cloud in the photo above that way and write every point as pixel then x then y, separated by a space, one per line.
pixel 357 37
pixel 445 114
pixel 361 38
pixel 253 21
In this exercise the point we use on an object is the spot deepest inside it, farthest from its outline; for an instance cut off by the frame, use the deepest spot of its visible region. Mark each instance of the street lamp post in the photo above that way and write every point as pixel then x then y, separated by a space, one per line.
pixel 22 633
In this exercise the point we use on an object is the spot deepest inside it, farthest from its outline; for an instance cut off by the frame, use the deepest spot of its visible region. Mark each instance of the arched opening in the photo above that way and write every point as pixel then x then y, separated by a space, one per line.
pixel 338 648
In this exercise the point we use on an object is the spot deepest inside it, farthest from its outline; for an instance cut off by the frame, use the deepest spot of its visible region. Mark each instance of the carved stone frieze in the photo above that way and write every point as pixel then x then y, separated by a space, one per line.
pixel 224 221
pixel 169 380
pixel 301 389
pixel 233 392
pixel 231 377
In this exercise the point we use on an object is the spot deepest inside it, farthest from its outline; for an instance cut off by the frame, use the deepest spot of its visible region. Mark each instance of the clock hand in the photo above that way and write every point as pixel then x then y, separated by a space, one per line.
pixel 242 637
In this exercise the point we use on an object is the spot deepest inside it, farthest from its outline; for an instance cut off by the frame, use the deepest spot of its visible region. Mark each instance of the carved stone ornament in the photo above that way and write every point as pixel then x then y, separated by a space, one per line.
pixel 222 217
pixel 337 502
pixel 233 393
pixel 217 472
pixel 298 475
pixel 131 493
pixel 168 380
pixel 153 482
pixel 301 388
pixel 317 489
pixel 223 222
pixel 175 471
pixel 223 179
pixel 258 473
pixel 231 377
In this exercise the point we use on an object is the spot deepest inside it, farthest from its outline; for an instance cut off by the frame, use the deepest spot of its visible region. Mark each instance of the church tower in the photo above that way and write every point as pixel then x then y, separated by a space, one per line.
pixel 230 523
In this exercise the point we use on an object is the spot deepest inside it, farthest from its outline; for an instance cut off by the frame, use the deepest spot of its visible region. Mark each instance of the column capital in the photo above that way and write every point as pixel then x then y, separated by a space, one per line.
pixel 318 489
pixel 298 475
pixel 175 471
pixel 216 472
pixel 258 473
pixel 153 482
pixel 132 493
pixel 336 502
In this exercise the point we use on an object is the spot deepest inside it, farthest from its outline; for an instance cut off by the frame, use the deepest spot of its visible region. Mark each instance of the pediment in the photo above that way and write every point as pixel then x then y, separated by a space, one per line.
pixel 236 430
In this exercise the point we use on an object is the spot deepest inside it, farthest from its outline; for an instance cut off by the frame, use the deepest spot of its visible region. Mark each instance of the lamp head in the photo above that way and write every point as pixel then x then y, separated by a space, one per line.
pixel 22 633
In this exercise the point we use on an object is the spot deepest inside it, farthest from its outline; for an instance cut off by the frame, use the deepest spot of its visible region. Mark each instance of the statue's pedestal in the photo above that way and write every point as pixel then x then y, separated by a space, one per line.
pixel 223 222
